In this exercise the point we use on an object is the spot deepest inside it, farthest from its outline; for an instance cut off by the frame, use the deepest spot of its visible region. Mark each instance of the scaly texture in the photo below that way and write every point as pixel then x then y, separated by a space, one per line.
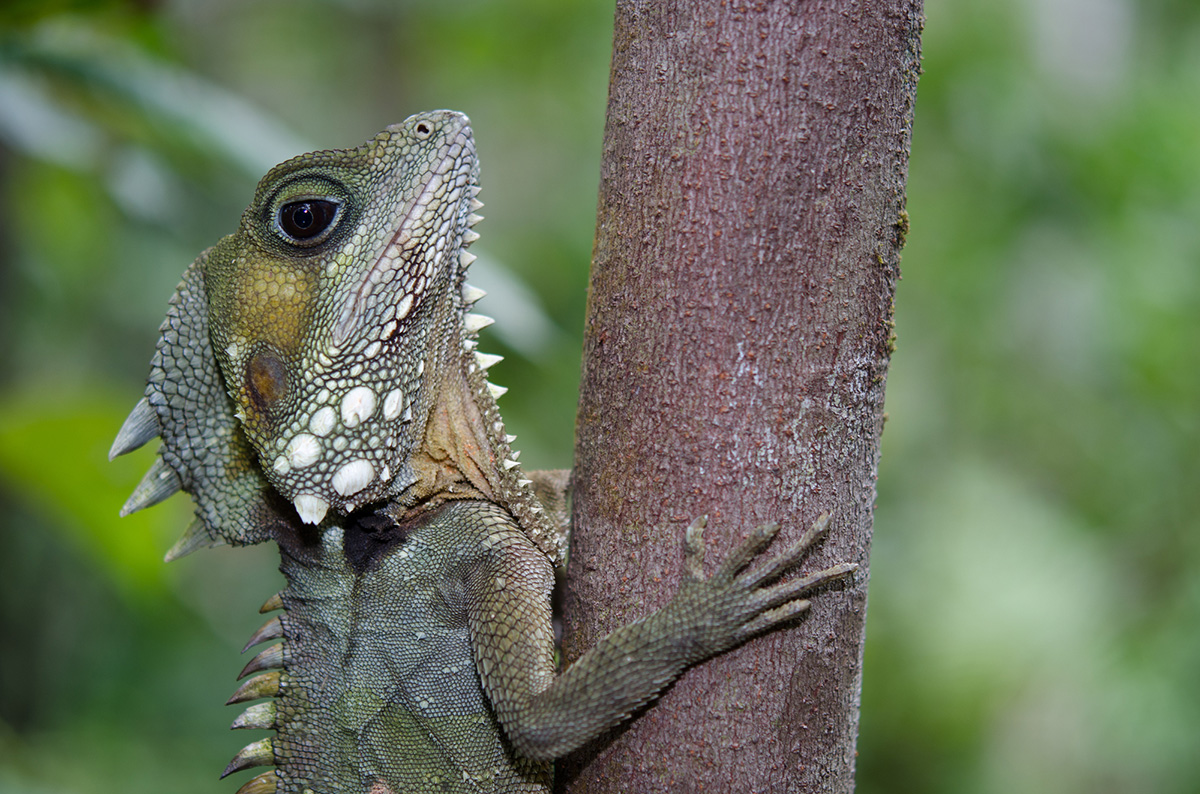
pixel 317 384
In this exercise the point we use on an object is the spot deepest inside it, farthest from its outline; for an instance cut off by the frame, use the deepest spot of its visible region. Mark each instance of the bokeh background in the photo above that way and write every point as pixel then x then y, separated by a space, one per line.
pixel 1035 603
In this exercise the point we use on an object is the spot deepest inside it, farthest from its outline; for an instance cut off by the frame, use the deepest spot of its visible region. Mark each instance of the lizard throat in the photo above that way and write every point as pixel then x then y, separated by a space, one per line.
pixel 455 455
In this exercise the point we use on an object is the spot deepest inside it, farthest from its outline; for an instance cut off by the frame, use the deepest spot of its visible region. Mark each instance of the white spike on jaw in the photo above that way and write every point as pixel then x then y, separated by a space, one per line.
pixel 487 360
pixel 496 391
pixel 392 403
pixel 510 464
pixel 509 438
pixel 474 323
pixel 353 477
pixel 476 204
pixel 466 258
pixel 358 406
pixel 473 219
pixel 471 294
pixel 311 508
pixel 470 236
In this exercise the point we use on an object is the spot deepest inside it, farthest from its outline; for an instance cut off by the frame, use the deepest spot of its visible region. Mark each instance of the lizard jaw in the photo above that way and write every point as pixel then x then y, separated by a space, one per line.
pixel 311 508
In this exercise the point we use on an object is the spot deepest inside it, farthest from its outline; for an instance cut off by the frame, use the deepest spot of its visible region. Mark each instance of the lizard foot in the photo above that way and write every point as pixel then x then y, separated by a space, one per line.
pixel 735 604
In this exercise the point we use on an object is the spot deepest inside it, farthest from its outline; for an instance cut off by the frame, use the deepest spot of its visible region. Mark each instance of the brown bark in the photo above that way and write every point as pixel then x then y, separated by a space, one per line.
pixel 738 335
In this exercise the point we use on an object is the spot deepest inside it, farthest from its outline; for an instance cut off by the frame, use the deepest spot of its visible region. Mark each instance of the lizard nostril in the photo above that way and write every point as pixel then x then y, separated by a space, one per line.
pixel 266 379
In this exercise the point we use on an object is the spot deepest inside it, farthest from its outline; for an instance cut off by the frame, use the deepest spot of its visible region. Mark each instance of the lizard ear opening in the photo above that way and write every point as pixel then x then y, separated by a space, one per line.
pixel 266 380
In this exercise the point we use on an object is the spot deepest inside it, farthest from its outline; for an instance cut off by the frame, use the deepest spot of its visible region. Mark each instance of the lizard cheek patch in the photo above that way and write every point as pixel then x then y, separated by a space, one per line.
pixel 266 380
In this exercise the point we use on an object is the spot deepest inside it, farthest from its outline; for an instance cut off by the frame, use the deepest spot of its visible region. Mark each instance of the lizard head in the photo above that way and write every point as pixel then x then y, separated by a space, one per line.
pixel 331 306
pixel 323 355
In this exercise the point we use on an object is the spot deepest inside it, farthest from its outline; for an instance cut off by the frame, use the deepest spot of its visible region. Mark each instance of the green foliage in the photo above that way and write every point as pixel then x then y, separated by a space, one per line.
pixel 1034 608
pixel 1034 592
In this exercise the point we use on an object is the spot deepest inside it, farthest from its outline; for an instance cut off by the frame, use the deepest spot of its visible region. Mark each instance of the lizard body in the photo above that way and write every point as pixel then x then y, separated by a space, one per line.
pixel 317 384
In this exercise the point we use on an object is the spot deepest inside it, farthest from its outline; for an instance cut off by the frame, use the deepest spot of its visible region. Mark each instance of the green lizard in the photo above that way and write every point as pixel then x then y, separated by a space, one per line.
pixel 317 384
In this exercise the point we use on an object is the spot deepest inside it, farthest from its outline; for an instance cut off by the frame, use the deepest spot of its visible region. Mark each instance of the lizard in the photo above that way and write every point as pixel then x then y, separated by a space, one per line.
pixel 317 383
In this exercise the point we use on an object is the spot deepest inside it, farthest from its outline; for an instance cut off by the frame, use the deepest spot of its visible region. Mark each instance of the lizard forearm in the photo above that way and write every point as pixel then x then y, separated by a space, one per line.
pixel 546 717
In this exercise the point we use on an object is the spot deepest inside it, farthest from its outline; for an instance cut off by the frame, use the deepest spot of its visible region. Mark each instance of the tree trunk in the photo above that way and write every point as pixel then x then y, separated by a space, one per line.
pixel 738 335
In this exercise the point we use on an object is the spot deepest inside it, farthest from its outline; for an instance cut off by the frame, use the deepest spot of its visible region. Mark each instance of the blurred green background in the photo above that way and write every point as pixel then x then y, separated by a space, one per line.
pixel 1035 602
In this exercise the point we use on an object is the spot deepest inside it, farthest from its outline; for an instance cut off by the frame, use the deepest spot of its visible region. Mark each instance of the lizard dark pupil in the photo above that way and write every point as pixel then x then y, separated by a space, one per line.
pixel 303 220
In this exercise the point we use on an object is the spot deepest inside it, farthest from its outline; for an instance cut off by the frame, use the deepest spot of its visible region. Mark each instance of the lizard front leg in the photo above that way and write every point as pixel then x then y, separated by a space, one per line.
pixel 546 716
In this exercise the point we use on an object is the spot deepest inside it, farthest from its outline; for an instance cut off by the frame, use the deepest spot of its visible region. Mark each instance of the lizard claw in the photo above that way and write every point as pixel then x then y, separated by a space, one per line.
pixel 736 603
pixel 744 554
pixel 776 567
pixel 785 596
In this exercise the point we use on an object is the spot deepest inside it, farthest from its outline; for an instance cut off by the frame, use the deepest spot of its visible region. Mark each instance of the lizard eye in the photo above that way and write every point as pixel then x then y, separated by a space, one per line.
pixel 303 221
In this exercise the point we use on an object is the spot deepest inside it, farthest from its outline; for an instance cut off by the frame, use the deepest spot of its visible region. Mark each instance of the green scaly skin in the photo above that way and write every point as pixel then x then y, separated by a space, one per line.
pixel 317 384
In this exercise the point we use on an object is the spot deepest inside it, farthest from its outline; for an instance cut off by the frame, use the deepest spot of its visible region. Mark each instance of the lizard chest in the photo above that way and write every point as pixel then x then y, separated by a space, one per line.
pixel 381 692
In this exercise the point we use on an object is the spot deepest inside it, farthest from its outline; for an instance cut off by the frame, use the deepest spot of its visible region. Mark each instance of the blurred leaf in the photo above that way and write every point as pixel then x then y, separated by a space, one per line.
pixel 54 458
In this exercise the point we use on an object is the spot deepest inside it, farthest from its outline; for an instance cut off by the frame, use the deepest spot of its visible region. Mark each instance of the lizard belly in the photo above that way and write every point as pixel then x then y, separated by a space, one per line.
pixel 384 696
